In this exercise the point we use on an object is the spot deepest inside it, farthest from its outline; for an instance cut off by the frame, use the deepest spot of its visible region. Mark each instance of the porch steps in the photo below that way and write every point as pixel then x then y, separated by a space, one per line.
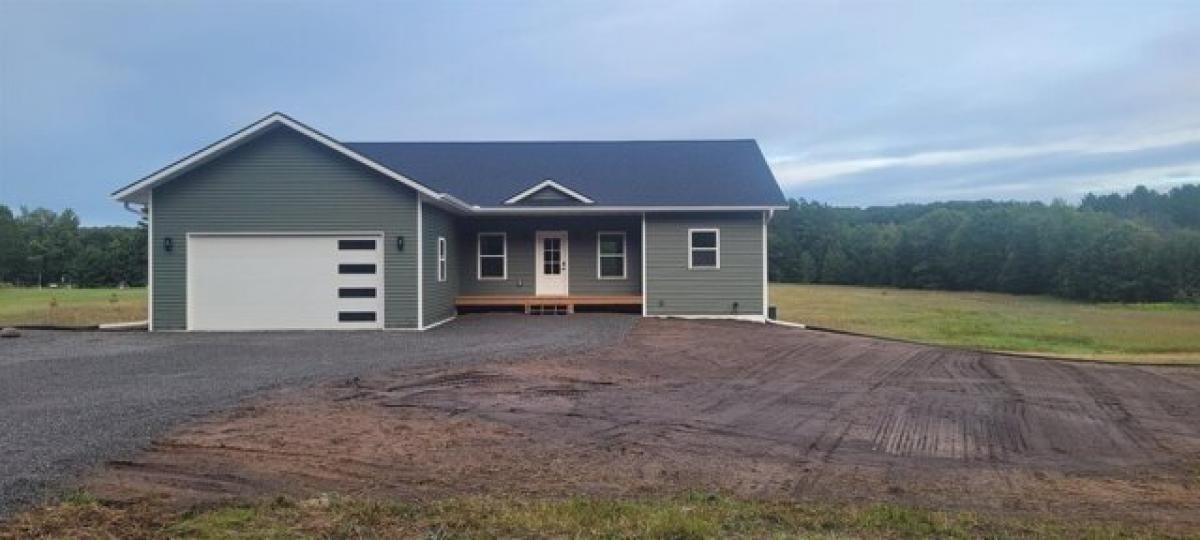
pixel 549 309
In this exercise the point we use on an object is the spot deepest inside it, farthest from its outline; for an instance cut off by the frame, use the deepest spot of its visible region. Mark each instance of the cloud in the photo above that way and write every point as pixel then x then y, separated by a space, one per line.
pixel 795 173
pixel 856 103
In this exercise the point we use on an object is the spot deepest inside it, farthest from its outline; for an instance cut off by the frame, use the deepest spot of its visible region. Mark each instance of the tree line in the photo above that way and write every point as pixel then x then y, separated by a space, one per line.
pixel 41 246
pixel 1135 247
pixel 1139 246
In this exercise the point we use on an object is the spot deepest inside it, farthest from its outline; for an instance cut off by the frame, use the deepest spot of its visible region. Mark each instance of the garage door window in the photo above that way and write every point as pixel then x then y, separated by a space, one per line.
pixel 356 244
pixel 356 316
pixel 356 292
pixel 356 269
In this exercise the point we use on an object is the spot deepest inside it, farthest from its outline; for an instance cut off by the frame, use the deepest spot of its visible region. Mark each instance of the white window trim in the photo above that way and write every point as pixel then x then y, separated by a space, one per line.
pixel 442 265
pixel 692 249
pixel 479 256
pixel 624 256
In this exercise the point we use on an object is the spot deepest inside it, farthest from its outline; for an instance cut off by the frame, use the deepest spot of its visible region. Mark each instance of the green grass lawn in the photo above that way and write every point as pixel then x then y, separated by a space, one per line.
pixel 1167 333
pixel 71 307
pixel 683 517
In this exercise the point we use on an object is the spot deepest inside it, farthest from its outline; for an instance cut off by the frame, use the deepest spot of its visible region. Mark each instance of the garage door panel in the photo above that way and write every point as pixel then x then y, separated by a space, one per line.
pixel 248 282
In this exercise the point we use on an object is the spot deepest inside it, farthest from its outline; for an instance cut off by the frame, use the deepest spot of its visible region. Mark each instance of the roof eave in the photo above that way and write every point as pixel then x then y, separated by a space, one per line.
pixel 509 210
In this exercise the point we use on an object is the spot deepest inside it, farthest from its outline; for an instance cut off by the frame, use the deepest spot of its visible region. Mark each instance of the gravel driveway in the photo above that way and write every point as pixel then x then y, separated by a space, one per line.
pixel 71 400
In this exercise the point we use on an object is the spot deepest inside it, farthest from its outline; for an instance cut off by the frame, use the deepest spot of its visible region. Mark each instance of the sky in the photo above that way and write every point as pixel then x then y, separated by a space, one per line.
pixel 853 103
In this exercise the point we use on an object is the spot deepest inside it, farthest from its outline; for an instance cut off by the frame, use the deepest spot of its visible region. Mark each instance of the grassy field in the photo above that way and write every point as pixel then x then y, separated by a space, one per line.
pixel 684 517
pixel 71 307
pixel 1168 333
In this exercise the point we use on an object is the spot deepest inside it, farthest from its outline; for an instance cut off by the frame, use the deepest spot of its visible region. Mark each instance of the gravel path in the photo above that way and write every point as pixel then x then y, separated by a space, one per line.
pixel 71 400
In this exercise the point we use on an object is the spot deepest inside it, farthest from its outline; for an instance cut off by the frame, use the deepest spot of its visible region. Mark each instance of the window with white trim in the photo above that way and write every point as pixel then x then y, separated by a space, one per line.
pixel 441 258
pixel 610 255
pixel 704 248
pixel 493 256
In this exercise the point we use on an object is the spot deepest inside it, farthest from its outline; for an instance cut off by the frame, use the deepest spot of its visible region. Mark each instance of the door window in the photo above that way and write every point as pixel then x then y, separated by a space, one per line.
pixel 552 256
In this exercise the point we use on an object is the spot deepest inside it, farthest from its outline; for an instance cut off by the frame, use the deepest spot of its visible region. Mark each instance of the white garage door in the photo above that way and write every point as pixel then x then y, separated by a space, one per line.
pixel 284 282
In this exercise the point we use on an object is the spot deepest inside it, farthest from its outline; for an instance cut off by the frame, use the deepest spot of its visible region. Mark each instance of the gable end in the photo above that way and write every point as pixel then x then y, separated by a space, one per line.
pixel 549 192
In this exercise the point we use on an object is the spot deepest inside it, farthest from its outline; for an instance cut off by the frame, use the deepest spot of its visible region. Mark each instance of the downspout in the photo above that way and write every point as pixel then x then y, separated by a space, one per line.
pixel 141 212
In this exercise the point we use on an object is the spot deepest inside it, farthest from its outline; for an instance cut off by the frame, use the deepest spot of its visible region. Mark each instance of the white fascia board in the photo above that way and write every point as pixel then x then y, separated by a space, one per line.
pixel 251 130
pixel 611 209
pixel 548 183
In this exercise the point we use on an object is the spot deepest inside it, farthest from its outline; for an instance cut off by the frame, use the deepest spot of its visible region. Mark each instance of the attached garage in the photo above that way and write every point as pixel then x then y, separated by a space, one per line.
pixel 284 282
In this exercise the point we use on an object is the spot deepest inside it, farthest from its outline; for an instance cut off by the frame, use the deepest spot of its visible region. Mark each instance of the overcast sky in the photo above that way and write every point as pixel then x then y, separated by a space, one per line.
pixel 853 103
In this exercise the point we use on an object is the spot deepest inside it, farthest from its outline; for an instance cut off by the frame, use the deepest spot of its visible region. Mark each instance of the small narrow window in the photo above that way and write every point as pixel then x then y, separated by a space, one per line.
pixel 356 269
pixel 441 258
pixel 356 244
pixel 356 316
pixel 610 255
pixel 356 292
pixel 704 248
pixel 493 256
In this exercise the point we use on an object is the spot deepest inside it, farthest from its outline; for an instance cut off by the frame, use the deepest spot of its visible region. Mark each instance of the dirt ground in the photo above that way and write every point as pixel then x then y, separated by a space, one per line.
pixel 755 410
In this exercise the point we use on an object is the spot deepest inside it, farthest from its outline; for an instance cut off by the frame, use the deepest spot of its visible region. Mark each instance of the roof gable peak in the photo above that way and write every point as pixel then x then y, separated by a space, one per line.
pixel 232 140
pixel 549 184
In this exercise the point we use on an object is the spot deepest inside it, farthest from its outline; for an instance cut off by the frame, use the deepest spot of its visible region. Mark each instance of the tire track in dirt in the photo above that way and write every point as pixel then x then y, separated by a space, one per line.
pixel 755 409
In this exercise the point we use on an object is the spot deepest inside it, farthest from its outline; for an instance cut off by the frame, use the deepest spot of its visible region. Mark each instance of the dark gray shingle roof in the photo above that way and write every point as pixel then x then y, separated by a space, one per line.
pixel 612 173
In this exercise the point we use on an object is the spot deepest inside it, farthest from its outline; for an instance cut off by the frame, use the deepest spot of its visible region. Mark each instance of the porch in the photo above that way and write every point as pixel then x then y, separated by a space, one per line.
pixel 538 305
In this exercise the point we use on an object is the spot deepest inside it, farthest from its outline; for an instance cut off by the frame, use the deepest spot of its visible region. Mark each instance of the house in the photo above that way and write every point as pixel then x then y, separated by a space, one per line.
pixel 279 226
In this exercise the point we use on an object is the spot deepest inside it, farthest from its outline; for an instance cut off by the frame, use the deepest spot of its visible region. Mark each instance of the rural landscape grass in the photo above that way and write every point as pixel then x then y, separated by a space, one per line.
pixel 695 515
pixel 1165 332
pixel 70 307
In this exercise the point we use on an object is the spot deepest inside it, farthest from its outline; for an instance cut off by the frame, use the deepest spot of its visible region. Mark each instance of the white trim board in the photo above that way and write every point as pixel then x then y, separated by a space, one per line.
pixel 439 323
pixel 420 265
pixel 766 284
pixel 548 183
pixel 747 318
pixel 645 296
pixel 150 262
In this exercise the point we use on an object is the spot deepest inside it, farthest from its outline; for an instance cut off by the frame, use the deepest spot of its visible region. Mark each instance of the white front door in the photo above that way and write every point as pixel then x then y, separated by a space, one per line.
pixel 551 261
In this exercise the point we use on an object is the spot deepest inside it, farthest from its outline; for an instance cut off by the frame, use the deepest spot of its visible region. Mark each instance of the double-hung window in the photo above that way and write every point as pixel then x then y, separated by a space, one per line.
pixel 704 248
pixel 610 255
pixel 441 258
pixel 493 256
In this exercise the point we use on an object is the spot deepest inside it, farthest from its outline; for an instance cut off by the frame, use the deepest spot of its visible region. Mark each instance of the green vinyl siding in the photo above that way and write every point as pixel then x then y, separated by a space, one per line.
pixel 282 181
pixel 438 296
pixel 581 254
pixel 674 289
